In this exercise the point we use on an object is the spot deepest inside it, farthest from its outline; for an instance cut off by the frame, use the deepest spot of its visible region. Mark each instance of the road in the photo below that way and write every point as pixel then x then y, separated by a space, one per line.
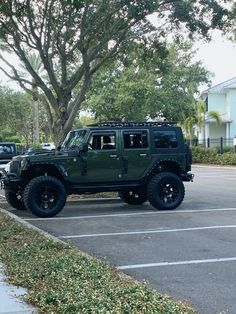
pixel 189 253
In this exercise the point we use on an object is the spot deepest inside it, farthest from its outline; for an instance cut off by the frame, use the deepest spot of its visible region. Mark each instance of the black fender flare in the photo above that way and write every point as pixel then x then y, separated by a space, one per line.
pixel 46 166
pixel 159 166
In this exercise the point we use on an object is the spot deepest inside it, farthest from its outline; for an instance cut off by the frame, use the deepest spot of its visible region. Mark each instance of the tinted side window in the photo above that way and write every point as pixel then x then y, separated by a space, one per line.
pixel 102 141
pixel 135 139
pixel 165 139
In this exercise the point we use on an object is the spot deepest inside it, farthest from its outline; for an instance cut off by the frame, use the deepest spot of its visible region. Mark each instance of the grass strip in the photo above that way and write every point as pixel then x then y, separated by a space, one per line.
pixel 62 280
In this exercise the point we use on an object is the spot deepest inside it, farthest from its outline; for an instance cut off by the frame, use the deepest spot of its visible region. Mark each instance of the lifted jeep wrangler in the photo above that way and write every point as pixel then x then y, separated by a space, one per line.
pixel 141 160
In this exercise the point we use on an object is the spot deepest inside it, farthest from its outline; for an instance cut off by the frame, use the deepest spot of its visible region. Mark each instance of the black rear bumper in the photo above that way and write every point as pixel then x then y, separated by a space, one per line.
pixel 187 177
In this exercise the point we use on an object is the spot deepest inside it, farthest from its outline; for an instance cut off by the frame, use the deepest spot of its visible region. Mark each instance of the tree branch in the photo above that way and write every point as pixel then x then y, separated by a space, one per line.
pixel 21 54
pixel 45 57
pixel 75 105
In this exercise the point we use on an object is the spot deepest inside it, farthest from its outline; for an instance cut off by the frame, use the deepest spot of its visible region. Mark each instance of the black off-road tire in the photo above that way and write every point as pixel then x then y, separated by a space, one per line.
pixel 45 196
pixel 133 197
pixel 166 191
pixel 15 200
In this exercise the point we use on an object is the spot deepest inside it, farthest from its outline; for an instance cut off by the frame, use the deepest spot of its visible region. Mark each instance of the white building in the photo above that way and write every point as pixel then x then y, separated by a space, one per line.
pixel 220 98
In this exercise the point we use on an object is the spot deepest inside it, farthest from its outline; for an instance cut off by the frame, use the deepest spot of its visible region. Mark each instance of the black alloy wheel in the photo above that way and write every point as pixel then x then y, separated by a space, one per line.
pixel 45 196
pixel 166 191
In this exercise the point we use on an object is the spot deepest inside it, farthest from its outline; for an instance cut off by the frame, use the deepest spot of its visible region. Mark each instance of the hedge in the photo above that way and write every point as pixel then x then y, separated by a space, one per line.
pixel 211 156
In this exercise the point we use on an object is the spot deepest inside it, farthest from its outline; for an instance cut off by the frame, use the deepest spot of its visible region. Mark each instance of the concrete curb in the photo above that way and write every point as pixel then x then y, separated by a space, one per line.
pixel 213 166
pixel 28 225
pixel 53 238
pixel 42 232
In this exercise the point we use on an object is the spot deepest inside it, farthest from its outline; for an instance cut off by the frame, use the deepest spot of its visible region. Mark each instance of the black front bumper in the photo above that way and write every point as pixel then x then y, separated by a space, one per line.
pixel 11 182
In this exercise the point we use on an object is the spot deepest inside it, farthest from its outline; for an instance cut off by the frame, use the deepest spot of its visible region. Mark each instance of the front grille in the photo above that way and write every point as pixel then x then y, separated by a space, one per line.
pixel 14 166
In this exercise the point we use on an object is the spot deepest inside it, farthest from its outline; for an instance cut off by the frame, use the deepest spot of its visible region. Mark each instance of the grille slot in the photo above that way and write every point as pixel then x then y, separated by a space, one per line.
pixel 14 166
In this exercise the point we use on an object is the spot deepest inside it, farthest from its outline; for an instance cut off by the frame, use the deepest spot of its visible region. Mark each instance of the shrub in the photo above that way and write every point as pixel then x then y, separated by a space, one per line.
pixel 203 155
pixel 211 156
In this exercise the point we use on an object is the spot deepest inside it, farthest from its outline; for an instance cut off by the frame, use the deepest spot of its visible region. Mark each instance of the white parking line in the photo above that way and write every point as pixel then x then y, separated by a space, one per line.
pixel 201 261
pixel 135 214
pixel 161 230
pixel 215 176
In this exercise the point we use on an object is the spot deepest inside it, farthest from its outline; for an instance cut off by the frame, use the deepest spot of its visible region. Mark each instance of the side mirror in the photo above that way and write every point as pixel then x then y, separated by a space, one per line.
pixel 84 147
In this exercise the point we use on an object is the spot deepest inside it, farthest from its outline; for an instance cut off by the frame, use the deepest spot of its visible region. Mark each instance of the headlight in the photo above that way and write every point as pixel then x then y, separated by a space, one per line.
pixel 23 163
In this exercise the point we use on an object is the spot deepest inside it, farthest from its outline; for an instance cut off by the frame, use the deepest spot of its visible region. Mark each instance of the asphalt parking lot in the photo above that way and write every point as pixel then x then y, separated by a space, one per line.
pixel 189 253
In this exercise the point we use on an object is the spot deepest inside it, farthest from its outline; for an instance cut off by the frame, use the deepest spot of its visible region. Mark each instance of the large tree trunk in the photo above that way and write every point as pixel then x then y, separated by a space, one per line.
pixel 59 134
pixel 60 130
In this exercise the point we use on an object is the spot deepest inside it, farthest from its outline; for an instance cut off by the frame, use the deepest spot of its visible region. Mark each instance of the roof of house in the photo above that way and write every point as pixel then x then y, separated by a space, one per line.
pixel 220 88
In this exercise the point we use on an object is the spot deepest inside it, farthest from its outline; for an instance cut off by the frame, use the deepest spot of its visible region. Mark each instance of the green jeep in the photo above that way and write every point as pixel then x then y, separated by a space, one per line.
pixel 140 160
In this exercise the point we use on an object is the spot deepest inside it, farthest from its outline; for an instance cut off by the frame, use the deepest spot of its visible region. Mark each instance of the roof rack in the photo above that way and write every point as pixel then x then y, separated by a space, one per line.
pixel 132 124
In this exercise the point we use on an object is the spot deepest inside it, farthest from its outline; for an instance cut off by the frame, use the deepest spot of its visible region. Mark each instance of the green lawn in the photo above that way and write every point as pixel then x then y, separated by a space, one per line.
pixel 61 279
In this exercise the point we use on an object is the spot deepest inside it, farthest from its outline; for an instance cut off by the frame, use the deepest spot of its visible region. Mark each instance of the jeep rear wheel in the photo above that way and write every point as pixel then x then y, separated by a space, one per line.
pixel 133 197
pixel 15 199
pixel 45 196
pixel 166 191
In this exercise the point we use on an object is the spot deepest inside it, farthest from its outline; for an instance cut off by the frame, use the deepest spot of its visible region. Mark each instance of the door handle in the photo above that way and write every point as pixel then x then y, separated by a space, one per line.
pixel 125 164
pixel 143 155
pixel 113 156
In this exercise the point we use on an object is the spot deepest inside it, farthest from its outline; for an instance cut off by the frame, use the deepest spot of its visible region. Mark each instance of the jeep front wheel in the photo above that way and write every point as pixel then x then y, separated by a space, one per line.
pixel 133 197
pixel 45 196
pixel 15 199
pixel 166 191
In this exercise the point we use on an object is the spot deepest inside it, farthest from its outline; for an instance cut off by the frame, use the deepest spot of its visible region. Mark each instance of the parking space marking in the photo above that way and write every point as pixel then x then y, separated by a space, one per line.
pixel 160 230
pixel 134 214
pixel 209 175
pixel 200 261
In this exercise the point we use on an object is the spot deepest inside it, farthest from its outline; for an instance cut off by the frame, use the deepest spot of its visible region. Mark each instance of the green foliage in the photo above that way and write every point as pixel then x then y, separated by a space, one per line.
pixel 7 135
pixel 198 118
pixel 148 82
pixel 75 38
pixel 203 155
pixel 15 114
pixel 16 117
pixel 60 279
pixel 83 120
pixel 211 156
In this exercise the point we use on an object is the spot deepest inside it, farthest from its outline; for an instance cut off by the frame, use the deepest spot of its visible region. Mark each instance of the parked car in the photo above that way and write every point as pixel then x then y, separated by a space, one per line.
pixel 7 151
pixel 140 160
pixel 49 146
pixel 4 169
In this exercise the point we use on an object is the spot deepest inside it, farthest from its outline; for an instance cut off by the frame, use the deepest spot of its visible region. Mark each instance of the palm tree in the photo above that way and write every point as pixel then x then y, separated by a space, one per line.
pixel 188 125
pixel 198 119
pixel 202 116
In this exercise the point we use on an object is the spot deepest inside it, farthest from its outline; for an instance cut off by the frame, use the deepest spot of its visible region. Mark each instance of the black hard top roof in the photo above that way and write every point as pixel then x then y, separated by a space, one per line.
pixel 113 124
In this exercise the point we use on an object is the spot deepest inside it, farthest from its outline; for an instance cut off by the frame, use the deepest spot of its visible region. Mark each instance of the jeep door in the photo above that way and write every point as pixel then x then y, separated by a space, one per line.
pixel 136 155
pixel 103 162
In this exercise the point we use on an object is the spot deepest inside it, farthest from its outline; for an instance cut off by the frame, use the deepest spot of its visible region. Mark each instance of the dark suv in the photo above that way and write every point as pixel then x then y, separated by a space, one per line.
pixel 7 151
pixel 141 160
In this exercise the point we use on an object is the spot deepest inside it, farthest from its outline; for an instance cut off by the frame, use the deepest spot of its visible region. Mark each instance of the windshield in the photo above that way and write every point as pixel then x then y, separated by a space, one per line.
pixel 74 139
